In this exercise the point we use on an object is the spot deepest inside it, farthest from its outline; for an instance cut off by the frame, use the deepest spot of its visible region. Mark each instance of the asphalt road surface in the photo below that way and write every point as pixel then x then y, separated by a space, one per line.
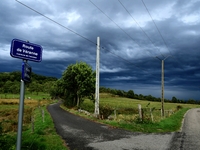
pixel 189 137
pixel 82 134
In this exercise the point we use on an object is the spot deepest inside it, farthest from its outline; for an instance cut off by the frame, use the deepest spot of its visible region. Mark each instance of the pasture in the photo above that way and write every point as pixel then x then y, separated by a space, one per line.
pixel 38 128
pixel 124 113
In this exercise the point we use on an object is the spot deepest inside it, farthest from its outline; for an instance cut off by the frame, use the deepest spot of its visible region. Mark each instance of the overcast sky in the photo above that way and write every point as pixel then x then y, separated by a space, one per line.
pixel 132 34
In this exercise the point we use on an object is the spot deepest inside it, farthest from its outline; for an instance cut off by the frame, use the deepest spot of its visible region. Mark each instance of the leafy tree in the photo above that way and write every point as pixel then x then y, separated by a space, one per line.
pixel 191 101
pixel 15 88
pixel 120 93
pixel 7 86
pixel 150 98
pixel 174 99
pixel 136 96
pixel 130 94
pixel 77 81
pixel 141 97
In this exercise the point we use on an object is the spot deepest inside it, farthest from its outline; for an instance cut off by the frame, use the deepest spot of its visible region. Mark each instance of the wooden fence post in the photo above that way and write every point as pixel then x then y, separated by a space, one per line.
pixel 140 111
pixel 115 114
pixel 32 123
pixel 43 115
pixel 151 114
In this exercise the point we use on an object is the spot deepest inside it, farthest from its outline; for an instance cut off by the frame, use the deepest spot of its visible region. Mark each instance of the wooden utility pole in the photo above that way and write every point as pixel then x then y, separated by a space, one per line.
pixel 162 85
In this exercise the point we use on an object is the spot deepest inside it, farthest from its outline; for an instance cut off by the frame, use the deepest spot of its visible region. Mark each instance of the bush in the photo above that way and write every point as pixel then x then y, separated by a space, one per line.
pixel 179 107
pixel 145 120
pixel 33 144
pixel 88 107
pixel 7 142
pixel 127 111
pixel 105 111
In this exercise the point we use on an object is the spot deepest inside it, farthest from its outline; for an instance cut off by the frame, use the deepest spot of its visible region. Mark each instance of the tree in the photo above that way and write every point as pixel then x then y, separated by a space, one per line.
pixel 150 98
pixel 140 97
pixel 7 86
pixel 130 94
pixel 77 82
pixel 174 99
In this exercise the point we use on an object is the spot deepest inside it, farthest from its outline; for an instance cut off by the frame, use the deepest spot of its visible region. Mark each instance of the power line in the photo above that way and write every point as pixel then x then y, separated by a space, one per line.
pixel 156 26
pixel 127 61
pixel 56 22
pixel 139 26
pixel 80 35
pixel 115 23
pixel 160 32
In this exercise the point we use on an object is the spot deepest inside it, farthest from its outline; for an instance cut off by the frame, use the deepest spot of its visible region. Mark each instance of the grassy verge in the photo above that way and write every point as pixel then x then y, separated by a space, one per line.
pixel 32 96
pixel 170 124
pixel 44 136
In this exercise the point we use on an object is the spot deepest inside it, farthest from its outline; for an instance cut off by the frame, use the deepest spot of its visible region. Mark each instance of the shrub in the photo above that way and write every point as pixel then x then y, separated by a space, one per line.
pixel 127 111
pixel 105 111
pixel 179 107
pixel 6 141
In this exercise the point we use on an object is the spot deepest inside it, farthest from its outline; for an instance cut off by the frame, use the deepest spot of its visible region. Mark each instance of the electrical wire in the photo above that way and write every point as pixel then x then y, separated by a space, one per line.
pixel 57 22
pixel 160 33
pixel 156 26
pixel 115 23
pixel 127 61
pixel 139 26
pixel 81 35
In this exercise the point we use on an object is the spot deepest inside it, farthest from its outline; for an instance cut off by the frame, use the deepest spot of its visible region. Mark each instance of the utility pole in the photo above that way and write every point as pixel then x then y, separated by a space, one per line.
pixel 96 111
pixel 162 84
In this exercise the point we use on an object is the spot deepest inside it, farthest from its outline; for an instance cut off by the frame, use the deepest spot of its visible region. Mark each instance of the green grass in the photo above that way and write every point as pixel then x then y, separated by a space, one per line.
pixel 44 136
pixel 170 123
pixel 119 102
pixel 34 95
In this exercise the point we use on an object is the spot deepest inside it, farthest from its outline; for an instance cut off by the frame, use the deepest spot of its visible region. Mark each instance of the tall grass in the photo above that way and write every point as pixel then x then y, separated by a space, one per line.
pixel 44 136
pixel 171 122
pixel 28 95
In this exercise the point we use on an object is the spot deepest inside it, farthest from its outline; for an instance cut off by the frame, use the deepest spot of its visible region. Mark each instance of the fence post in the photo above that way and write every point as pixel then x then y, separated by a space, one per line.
pixel 115 113
pixel 43 115
pixel 151 114
pixel 140 111
pixel 32 123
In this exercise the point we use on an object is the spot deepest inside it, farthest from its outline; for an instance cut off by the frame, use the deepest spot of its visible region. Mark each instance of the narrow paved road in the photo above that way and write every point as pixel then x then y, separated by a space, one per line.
pixel 82 134
pixel 189 137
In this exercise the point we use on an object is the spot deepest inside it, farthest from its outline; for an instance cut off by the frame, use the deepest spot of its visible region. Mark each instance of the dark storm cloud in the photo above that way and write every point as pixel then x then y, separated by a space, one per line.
pixel 130 41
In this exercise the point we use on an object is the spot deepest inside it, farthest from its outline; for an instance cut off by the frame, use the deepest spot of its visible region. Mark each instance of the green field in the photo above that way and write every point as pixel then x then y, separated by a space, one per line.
pixel 124 113
pixel 43 137
pixel 120 102
pixel 28 95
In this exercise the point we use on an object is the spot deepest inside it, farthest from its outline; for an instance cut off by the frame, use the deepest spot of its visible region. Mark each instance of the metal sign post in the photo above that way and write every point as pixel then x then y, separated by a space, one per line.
pixel 21 111
pixel 26 51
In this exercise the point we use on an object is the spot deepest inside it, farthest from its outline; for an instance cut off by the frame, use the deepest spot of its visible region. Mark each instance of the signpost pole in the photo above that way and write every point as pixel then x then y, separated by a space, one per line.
pixel 21 111
pixel 26 51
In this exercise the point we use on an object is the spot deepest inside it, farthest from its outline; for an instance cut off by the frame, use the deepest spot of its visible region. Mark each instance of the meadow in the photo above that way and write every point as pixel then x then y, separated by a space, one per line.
pixel 124 113
pixel 38 128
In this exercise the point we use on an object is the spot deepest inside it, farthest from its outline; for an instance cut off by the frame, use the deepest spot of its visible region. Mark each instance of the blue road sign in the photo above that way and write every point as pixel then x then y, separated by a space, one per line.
pixel 26 72
pixel 25 50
